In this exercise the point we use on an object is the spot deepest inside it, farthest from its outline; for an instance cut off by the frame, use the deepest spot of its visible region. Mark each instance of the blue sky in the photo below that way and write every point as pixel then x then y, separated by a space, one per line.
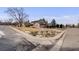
pixel 64 15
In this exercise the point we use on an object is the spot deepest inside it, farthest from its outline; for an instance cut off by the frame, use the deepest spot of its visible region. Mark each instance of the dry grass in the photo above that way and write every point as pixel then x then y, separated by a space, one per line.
pixel 28 29
pixel 44 32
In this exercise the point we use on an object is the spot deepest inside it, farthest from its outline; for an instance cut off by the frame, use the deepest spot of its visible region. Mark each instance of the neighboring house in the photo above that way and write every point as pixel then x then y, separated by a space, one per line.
pixel 36 25
pixel 39 24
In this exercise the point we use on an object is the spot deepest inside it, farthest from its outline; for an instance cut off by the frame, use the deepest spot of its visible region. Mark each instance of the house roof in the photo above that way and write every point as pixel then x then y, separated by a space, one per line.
pixel 41 22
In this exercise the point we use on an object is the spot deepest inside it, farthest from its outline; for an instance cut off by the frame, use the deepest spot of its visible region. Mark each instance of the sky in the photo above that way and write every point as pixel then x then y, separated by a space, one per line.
pixel 64 15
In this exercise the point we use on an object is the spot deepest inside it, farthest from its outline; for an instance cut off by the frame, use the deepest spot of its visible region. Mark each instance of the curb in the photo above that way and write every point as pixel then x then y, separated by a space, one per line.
pixel 23 34
pixel 32 39
pixel 49 47
pixel 36 40
pixel 58 45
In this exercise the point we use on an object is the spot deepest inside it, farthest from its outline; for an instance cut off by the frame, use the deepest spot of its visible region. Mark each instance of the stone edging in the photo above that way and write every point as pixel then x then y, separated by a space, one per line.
pixel 35 40
pixel 58 45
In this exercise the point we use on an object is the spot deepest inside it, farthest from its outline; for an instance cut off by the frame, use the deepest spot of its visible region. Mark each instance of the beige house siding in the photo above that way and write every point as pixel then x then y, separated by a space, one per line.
pixel 36 25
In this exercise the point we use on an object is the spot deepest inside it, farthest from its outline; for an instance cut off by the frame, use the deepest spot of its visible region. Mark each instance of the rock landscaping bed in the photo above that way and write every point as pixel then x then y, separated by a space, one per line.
pixel 40 32
pixel 44 33
pixel 43 38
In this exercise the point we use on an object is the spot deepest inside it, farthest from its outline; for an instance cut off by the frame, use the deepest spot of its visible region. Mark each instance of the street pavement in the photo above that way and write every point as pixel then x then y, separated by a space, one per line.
pixel 71 40
pixel 11 40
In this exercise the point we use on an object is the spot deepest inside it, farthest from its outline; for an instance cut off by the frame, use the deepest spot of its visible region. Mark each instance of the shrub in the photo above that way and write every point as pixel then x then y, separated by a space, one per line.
pixel 34 33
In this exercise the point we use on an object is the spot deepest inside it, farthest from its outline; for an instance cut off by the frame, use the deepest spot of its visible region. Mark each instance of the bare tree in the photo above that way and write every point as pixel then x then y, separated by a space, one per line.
pixel 17 14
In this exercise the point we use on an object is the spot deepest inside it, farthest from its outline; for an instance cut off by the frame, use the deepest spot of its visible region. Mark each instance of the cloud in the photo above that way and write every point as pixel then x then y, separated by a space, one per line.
pixel 71 19
pixel 3 17
pixel 67 19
